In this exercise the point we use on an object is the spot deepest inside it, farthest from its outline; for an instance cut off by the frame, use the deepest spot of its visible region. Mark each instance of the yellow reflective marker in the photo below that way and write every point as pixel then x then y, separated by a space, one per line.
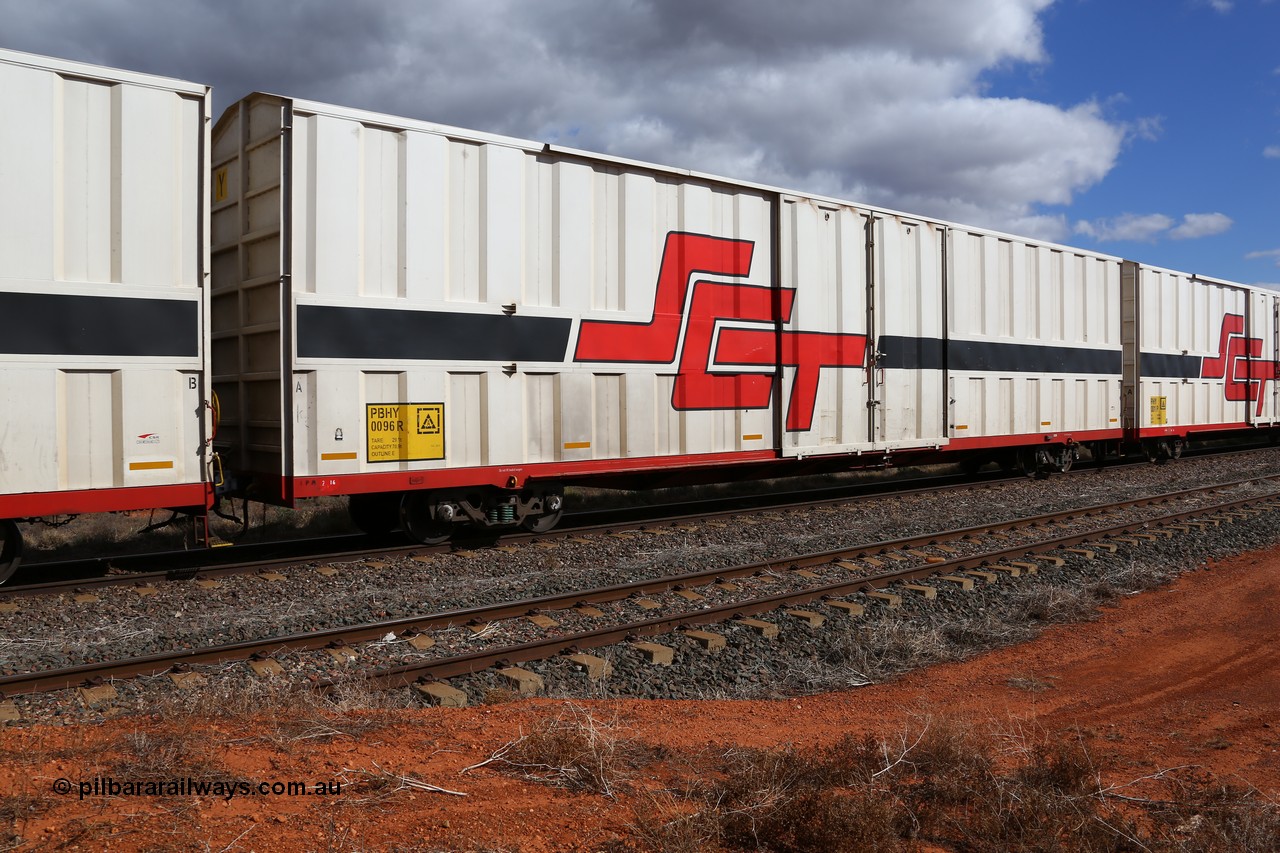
pixel 149 466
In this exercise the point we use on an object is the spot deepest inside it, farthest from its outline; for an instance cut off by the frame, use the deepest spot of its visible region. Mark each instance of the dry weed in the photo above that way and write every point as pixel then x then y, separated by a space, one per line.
pixel 575 751
pixel 662 821
pixel 1030 683
pixel 954 787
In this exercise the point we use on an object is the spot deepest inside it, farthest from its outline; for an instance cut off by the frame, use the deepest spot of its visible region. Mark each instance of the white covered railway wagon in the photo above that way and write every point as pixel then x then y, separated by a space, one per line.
pixel 1205 358
pixel 103 254
pixel 402 308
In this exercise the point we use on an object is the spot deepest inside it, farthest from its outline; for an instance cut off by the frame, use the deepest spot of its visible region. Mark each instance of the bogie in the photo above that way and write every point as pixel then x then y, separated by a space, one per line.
pixel 432 517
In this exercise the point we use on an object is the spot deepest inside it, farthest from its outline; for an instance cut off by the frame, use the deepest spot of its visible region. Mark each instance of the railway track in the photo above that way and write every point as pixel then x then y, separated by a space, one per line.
pixel 580 524
pixel 181 566
pixel 846 580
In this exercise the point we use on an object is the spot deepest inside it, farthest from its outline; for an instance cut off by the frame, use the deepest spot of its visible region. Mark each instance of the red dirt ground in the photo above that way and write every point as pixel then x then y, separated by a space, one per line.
pixel 1183 675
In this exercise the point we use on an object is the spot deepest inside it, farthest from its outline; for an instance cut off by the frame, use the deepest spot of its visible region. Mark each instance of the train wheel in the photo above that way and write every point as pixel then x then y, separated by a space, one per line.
pixel 422 517
pixel 554 505
pixel 1066 459
pixel 1176 447
pixel 376 515
pixel 10 549
pixel 1034 462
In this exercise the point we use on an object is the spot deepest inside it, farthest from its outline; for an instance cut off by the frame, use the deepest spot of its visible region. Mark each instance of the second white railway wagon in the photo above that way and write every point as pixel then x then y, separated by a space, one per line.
pixel 103 255
pixel 405 308
pixel 1202 357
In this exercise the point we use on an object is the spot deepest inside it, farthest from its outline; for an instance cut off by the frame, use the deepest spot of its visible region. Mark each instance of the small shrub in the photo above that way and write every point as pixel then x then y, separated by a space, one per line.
pixel 1051 604
pixel 151 755
pixel 954 787
pixel 1203 816
pixel 575 751
pixel 662 822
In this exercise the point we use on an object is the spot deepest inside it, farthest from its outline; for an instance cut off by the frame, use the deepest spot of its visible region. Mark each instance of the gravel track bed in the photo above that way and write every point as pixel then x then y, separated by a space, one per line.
pixel 886 642
pixel 54 632
pixel 843 653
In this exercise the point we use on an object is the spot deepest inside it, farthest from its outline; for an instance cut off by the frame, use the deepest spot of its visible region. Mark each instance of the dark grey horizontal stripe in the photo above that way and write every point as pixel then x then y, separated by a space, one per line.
pixel 58 324
pixel 387 334
pixel 907 353
pixel 1158 364
pixel 904 353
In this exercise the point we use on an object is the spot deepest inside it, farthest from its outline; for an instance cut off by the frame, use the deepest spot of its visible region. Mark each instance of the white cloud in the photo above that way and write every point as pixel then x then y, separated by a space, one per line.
pixel 1150 227
pixel 879 102
pixel 1220 6
pixel 1272 151
pixel 1130 226
pixel 1269 253
pixel 1146 128
pixel 1195 225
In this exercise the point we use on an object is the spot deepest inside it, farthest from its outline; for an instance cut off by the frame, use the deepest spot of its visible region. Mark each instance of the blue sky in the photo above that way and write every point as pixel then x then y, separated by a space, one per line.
pixel 1199 83
pixel 1135 127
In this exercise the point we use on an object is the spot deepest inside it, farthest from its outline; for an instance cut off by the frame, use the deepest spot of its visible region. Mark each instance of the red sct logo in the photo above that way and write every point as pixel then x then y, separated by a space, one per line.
pixel 685 257
pixel 1239 362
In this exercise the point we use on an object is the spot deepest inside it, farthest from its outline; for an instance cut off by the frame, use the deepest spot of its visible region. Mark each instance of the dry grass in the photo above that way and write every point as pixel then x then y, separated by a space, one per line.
pixel 575 751
pixel 1030 683
pixel 16 809
pixel 950 786
pixel 883 645
pixel 150 755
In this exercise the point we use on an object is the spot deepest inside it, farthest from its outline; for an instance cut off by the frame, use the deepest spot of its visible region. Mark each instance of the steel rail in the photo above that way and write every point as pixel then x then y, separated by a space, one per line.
pixel 456 665
pixel 58 587
pixel 202 571
pixel 159 663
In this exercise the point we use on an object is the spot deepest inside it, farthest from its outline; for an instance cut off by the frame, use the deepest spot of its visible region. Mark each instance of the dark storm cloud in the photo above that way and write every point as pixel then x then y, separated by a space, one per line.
pixel 878 101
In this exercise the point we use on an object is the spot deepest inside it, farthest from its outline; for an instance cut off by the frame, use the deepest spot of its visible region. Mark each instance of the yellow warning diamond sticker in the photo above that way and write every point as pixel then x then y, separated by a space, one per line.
pixel 405 432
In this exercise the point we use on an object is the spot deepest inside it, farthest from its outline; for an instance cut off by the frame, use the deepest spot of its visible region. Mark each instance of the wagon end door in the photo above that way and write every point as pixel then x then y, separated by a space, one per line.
pixel 910 386
pixel 824 348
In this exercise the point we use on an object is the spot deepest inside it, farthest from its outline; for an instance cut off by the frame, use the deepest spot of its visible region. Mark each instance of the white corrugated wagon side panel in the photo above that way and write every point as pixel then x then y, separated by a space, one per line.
pixel 423 223
pixel 1188 326
pixel 1034 337
pixel 103 251
pixel 911 410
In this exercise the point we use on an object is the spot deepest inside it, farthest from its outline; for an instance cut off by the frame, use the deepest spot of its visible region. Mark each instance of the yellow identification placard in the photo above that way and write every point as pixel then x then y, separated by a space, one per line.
pixel 1159 411
pixel 405 432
